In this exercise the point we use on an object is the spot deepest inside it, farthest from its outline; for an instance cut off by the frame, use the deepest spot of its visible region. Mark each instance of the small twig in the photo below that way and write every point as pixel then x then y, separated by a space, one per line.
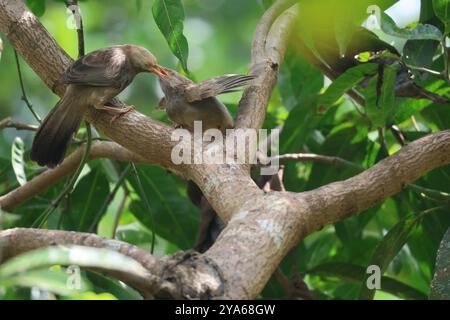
pixel 5 122
pixel 22 86
pixel 8 123
pixel 432 194
pixel 283 280
pixel 78 142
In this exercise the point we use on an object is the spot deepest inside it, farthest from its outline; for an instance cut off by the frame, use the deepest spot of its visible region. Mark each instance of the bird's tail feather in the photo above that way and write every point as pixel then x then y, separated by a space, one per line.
pixel 232 83
pixel 56 131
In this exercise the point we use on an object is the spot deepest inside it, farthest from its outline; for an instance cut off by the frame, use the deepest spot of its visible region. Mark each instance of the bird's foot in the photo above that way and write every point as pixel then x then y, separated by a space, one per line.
pixel 177 126
pixel 120 112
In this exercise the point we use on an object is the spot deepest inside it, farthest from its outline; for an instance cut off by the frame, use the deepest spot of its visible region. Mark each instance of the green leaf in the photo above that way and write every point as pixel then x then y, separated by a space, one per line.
pixel 440 285
pixel 7 220
pixel 347 22
pixel 135 234
pixel 169 16
pixel 380 95
pixel 86 201
pixel 442 11
pixel 36 6
pixel 356 274
pixel 347 81
pixel 17 161
pixel 420 32
pixel 176 218
pixel 266 4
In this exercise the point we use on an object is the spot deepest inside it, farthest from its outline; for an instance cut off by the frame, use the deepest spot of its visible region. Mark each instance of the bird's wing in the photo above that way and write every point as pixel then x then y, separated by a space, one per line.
pixel 101 68
pixel 216 86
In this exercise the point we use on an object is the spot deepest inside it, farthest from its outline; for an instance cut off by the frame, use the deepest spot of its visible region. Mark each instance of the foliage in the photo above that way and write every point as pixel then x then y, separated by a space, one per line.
pixel 401 235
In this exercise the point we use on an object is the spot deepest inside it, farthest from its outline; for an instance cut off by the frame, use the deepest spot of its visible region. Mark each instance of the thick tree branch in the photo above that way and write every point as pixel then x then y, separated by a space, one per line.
pixel 269 46
pixel 339 200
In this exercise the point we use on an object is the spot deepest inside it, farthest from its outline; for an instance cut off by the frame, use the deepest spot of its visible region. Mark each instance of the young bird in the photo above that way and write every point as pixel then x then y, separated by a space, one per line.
pixel 186 102
pixel 93 81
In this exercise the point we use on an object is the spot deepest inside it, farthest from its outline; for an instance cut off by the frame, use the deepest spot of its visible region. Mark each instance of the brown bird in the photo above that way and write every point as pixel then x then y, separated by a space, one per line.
pixel 186 102
pixel 93 81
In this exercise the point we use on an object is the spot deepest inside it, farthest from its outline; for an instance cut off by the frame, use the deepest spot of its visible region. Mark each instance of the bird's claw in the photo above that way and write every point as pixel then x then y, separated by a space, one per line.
pixel 177 126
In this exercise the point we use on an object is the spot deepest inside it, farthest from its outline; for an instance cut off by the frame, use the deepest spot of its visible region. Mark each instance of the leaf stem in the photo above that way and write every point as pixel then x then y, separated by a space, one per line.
pixel 68 189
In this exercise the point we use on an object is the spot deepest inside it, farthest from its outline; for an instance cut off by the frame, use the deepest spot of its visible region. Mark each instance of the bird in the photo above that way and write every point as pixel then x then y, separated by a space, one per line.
pixel 94 80
pixel 186 102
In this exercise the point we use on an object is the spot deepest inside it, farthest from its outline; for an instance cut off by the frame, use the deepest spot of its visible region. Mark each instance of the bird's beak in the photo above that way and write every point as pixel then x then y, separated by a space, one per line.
pixel 158 70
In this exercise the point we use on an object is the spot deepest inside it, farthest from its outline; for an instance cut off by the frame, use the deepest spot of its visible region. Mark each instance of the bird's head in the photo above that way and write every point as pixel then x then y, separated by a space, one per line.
pixel 173 82
pixel 144 61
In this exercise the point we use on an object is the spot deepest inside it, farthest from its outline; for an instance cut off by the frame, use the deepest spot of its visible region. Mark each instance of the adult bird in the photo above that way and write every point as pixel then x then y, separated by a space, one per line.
pixel 186 102
pixel 92 81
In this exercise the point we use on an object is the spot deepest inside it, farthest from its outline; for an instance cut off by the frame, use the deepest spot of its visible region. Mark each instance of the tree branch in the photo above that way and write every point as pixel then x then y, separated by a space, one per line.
pixel 269 46
pixel 339 200
pixel 181 275
pixel 8 123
